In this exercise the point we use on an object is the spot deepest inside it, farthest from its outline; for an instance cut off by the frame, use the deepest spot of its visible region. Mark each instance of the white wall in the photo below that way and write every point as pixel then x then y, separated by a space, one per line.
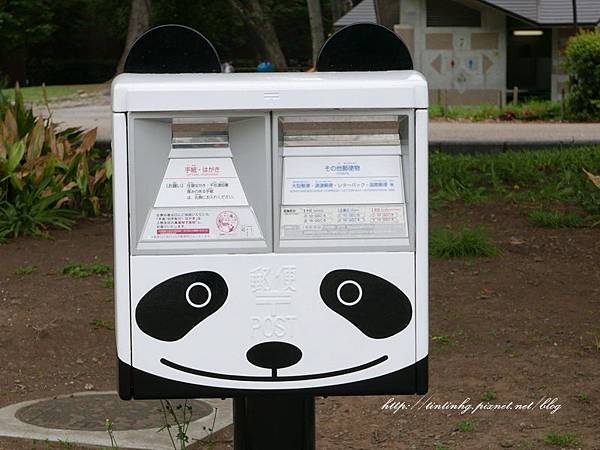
pixel 560 79
pixel 468 65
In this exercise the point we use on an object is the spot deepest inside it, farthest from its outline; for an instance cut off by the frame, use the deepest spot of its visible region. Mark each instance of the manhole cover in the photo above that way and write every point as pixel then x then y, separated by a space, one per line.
pixel 89 412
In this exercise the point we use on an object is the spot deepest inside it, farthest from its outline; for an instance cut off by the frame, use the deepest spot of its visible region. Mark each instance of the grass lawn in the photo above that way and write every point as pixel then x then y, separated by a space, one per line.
pixel 538 181
pixel 540 110
pixel 549 187
pixel 34 94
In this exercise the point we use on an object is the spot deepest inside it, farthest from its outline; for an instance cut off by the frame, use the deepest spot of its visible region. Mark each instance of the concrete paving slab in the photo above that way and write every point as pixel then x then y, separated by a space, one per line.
pixel 513 132
pixel 144 437
pixel 443 135
pixel 85 116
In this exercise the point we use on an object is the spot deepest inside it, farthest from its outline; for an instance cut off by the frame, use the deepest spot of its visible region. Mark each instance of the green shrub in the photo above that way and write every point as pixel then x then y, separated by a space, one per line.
pixel 561 439
pixel 583 64
pixel 47 177
pixel 464 426
pixel 488 395
pixel 26 270
pixel 31 211
pixel 527 111
pixel 85 270
pixel 466 242
pixel 555 219
pixel 532 110
pixel 443 339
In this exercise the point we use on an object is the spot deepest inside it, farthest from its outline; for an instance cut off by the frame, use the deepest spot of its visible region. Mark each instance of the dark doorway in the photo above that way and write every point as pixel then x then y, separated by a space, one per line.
pixel 528 59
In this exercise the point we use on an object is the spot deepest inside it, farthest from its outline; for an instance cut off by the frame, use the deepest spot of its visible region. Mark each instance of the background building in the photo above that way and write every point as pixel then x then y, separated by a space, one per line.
pixel 477 51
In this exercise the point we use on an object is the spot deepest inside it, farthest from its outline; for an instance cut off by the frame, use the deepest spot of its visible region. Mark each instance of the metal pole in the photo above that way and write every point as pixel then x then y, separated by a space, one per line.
pixel 274 423
pixel 575 16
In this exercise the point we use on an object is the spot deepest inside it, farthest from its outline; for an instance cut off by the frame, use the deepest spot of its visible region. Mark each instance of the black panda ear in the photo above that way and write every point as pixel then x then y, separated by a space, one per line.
pixel 364 47
pixel 172 49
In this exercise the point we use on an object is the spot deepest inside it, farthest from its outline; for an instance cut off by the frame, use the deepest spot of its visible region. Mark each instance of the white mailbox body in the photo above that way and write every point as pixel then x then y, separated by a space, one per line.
pixel 270 233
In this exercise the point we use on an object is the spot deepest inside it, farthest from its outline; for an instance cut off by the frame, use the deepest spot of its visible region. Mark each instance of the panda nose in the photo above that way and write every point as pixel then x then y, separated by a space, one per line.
pixel 274 355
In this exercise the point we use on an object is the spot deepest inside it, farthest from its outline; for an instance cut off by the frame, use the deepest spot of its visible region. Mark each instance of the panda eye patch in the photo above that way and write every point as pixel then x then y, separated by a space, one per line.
pixel 171 309
pixel 374 305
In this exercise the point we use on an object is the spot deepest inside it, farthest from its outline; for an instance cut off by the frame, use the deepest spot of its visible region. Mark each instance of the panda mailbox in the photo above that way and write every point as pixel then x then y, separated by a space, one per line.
pixel 270 229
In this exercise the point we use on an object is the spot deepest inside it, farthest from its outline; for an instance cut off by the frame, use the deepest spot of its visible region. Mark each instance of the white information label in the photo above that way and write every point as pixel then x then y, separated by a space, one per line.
pixel 198 224
pixel 200 182
pixel 342 180
pixel 343 221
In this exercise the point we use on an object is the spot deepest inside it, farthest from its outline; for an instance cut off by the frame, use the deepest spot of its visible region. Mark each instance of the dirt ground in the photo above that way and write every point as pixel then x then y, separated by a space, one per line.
pixel 521 326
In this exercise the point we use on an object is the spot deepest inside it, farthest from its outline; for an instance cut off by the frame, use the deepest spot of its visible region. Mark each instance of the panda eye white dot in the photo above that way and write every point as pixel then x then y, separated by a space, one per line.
pixel 350 302
pixel 193 303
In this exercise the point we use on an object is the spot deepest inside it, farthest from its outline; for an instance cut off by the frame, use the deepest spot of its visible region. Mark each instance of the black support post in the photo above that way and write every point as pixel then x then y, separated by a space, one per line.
pixel 274 423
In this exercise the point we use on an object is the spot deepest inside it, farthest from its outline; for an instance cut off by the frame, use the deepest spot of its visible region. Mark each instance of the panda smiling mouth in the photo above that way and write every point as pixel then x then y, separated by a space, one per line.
pixel 274 376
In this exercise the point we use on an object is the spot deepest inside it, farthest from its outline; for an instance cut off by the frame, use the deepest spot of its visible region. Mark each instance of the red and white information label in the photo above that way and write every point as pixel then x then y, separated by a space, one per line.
pixel 183 231
pixel 192 224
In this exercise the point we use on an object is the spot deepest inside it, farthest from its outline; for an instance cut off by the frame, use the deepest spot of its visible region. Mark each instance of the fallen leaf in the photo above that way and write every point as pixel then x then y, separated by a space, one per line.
pixel 593 178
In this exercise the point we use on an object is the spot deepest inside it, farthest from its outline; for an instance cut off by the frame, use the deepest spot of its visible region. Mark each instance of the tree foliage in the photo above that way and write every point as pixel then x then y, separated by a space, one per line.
pixel 583 64
pixel 80 41
pixel 256 17
pixel 230 34
pixel 24 23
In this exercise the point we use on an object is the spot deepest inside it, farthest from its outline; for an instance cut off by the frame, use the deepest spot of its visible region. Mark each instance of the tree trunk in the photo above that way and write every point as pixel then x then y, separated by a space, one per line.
pixel 253 14
pixel 139 21
pixel 316 28
pixel 336 10
pixel 340 8
pixel 14 64
pixel 388 13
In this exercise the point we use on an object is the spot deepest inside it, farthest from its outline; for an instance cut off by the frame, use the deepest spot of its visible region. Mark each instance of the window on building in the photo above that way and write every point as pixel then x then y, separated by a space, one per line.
pixel 448 13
